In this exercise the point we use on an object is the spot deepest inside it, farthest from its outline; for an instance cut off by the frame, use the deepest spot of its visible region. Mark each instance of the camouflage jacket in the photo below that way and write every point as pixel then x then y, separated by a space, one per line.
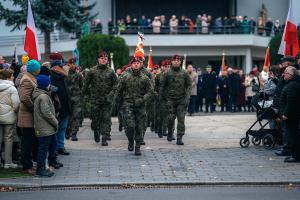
pixel 101 81
pixel 134 89
pixel 175 85
pixel 75 85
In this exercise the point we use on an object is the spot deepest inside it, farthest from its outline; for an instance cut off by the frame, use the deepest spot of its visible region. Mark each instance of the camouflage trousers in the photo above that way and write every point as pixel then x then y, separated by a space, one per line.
pixel 161 116
pixel 101 119
pixel 134 121
pixel 75 120
pixel 150 111
pixel 176 109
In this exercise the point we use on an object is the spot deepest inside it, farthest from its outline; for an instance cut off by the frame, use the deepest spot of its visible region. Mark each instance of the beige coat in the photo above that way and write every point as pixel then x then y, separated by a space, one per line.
pixel 25 115
pixel 248 84
pixel 194 78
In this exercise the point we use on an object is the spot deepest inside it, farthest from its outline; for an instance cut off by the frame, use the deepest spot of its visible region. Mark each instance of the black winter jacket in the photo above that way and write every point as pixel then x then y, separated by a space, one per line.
pixel 290 98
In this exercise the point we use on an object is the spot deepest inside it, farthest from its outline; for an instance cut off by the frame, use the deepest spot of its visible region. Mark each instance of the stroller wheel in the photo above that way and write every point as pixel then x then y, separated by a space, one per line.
pixel 256 141
pixel 244 142
pixel 268 141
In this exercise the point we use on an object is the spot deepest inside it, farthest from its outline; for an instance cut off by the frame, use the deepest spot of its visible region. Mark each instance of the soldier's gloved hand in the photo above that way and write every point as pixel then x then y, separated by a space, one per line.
pixel 139 102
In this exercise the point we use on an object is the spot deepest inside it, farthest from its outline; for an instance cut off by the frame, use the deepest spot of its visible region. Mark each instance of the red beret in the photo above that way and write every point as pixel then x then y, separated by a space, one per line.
pixel 156 67
pixel 55 56
pixel 176 57
pixel 166 62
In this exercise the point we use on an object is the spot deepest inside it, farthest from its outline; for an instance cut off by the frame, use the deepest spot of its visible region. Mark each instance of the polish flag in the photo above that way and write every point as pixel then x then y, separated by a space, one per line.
pixel 267 58
pixel 289 43
pixel 139 50
pixel 31 45
pixel 150 61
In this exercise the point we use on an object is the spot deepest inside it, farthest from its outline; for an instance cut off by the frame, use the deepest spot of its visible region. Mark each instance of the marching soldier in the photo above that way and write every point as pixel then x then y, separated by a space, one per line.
pixel 135 89
pixel 75 85
pixel 175 90
pixel 102 81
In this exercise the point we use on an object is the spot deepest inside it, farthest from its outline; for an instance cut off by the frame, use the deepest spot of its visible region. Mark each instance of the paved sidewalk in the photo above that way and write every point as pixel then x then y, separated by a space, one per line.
pixel 211 155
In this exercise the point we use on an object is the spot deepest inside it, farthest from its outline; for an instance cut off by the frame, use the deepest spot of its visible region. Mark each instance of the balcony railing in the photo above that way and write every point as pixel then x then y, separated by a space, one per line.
pixel 120 30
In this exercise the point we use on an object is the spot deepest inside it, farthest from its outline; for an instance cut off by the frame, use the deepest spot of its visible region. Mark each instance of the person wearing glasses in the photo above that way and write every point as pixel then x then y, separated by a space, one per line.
pixel 290 111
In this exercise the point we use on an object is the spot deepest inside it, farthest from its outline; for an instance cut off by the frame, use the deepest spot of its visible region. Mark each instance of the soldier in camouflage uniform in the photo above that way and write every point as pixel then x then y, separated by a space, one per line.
pixel 135 89
pixel 102 81
pixel 175 90
pixel 160 108
pixel 75 84
pixel 145 72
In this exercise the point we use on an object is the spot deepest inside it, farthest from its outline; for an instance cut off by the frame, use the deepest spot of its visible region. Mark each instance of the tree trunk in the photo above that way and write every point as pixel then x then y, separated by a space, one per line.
pixel 47 44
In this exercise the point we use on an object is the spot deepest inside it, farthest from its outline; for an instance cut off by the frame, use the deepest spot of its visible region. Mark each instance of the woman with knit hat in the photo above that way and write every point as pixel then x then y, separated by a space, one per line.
pixel 25 115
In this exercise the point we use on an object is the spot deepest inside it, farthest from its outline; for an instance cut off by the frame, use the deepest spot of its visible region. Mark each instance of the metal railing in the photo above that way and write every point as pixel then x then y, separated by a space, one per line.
pixel 120 30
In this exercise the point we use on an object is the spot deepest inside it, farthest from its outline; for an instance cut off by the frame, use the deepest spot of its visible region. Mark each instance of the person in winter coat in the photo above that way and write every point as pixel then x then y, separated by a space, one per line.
pixel 250 81
pixel 58 79
pixel 25 115
pixel 223 91
pixel 234 82
pixel 193 98
pixel 271 84
pixel 241 98
pixel 290 111
pixel 209 88
pixel 45 124
pixel 9 105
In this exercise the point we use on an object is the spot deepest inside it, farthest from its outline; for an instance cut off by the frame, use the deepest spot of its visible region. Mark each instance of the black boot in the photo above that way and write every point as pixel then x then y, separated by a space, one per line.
pixel 104 142
pixel 120 127
pixel 137 151
pixel 160 135
pixel 56 165
pixel 42 172
pixel 130 144
pixel 96 136
pixel 179 140
pixel 74 137
pixel 108 138
pixel 170 136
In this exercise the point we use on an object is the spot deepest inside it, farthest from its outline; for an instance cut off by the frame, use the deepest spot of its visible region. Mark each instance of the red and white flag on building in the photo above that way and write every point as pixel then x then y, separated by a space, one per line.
pixel 31 45
pixel 139 50
pixel 267 58
pixel 289 43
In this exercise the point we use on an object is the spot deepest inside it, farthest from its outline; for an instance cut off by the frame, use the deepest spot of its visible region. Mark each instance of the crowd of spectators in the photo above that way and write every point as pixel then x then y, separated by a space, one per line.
pixel 34 114
pixel 203 24
pixel 234 91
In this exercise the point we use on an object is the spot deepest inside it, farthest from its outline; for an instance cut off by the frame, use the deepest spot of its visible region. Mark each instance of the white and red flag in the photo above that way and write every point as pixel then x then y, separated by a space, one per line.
pixel 150 60
pixel 139 50
pixel 31 45
pixel 289 43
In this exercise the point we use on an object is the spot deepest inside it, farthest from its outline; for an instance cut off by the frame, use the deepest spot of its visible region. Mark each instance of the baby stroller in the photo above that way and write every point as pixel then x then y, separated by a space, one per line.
pixel 265 114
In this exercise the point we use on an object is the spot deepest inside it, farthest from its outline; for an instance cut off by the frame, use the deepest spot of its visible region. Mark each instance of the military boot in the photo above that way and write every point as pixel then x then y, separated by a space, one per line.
pixel 130 144
pixel 179 140
pixel 104 141
pixel 108 138
pixel 120 127
pixel 96 136
pixel 170 136
pixel 137 150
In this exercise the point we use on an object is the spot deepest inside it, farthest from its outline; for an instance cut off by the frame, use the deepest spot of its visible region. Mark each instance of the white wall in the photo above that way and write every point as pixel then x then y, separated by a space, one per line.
pixel 103 7
pixel 277 9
